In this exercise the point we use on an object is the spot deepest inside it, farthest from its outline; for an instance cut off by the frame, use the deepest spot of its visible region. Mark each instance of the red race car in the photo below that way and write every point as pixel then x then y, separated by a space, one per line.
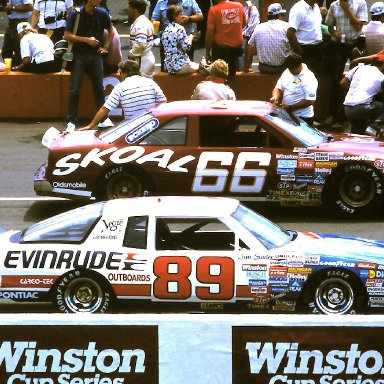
pixel 249 150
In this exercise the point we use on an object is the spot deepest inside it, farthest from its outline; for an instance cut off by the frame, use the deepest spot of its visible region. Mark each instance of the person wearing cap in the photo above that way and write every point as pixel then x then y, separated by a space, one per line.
pixel 17 12
pixel 215 88
pixel 363 83
pixel 304 33
pixel 269 41
pixel 37 51
pixel 135 94
pixel 296 89
pixel 374 30
pixel 49 17
pixel 345 20
pixel 224 35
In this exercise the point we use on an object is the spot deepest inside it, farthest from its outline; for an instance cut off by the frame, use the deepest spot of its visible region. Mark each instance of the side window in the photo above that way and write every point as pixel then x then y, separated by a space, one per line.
pixel 173 132
pixel 136 232
pixel 237 131
pixel 194 234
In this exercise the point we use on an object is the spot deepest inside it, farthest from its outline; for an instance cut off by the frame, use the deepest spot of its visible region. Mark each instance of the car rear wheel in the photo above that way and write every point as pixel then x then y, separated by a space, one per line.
pixel 357 190
pixel 334 292
pixel 84 292
pixel 122 186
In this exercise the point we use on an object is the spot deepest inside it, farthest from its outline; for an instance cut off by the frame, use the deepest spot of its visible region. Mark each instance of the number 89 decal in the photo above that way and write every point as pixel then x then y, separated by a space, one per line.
pixel 174 274
pixel 219 177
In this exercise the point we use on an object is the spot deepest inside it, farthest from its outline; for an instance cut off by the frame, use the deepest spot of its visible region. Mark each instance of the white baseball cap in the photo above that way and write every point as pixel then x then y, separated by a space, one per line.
pixel 275 9
pixel 377 8
pixel 23 26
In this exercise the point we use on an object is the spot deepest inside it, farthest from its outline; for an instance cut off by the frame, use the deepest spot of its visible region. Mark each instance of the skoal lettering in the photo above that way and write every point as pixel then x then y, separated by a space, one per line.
pixel 70 163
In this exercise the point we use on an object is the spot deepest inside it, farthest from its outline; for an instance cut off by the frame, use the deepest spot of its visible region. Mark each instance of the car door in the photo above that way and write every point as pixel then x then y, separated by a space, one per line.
pixel 240 157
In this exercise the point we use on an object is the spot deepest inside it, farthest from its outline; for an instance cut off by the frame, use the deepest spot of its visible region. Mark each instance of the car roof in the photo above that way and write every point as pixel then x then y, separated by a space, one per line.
pixel 196 107
pixel 174 206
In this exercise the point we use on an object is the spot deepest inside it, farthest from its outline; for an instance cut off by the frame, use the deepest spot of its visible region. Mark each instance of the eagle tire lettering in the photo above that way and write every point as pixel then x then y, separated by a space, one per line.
pixel 357 190
pixel 112 172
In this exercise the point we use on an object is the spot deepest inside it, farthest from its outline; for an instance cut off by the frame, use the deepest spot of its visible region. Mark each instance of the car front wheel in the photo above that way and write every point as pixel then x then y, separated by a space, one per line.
pixel 334 292
pixel 79 291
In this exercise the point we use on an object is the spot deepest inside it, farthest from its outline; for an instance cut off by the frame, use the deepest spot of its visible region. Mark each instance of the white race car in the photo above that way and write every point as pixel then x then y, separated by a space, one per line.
pixel 202 250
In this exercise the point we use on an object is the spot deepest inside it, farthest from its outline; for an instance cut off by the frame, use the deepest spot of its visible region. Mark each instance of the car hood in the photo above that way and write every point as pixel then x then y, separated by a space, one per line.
pixel 351 144
pixel 338 247
pixel 11 236
pixel 75 139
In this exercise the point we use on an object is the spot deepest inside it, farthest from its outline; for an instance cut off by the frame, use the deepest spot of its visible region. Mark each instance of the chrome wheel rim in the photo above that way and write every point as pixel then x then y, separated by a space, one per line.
pixel 334 296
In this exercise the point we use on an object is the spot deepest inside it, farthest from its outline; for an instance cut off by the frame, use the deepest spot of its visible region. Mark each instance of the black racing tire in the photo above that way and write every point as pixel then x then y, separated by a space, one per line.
pixel 334 292
pixel 123 182
pixel 356 191
pixel 82 292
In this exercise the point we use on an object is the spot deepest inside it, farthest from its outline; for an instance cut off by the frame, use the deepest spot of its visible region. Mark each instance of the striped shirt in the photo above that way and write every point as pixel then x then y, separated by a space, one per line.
pixel 136 94
pixel 336 17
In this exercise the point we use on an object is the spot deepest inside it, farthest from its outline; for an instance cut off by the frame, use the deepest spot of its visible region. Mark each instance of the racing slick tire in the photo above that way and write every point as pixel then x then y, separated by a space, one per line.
pixel 120 183
pixel 356 190
pixel 82 292
pixel 334 292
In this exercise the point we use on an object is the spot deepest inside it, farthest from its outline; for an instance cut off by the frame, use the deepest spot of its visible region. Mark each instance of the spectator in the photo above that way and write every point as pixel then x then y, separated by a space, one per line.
pixel 37 51
pixel 304 33
pixel 141 37
pixel 135 94
pixel 295 91
pixel 224 36
pixel 176 43
pixel 345 20
pixel 204 5
pixel 17 12
pixel 252 18
pixel 215 88
pixel 269 41
pixel 114 57
pixel 364 82
pixel 88 50
pixel 191 15
pixel 374 30
pixel 50 16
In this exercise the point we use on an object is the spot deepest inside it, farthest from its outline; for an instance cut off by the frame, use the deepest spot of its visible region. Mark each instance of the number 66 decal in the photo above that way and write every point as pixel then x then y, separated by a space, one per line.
pixel 173 278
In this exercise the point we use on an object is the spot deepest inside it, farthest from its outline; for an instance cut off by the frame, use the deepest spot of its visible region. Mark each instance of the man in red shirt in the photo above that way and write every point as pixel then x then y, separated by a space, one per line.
pixel 224 37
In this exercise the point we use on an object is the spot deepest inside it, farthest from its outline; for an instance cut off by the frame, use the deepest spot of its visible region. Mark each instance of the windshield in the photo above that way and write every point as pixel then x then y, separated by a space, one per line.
pixel 268 233
pixel 69 227
pixel 297 128
pixel 112 134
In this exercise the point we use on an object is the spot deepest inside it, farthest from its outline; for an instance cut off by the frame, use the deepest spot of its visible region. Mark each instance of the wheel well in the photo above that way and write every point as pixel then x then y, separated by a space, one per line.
pixel 99 188
pixel 320 275
pixel 88 273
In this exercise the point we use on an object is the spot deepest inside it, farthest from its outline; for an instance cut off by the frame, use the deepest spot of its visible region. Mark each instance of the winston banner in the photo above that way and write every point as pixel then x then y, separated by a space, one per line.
pixel 191 348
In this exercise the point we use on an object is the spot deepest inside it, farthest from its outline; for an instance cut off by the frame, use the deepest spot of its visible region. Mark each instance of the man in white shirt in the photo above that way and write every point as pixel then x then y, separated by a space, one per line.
pixel 374 30
pixel 295 91
pixel 136 94
pixel 269 41
pixel 304 33
pixel 37 51
pixel 364 82
pixel 141 37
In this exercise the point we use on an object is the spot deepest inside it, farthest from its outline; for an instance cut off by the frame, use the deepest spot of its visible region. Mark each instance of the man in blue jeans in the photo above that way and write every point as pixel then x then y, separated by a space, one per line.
pixel 88 51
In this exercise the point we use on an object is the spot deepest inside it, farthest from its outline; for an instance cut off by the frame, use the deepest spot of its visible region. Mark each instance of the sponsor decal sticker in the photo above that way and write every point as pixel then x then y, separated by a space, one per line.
pixel 142 130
